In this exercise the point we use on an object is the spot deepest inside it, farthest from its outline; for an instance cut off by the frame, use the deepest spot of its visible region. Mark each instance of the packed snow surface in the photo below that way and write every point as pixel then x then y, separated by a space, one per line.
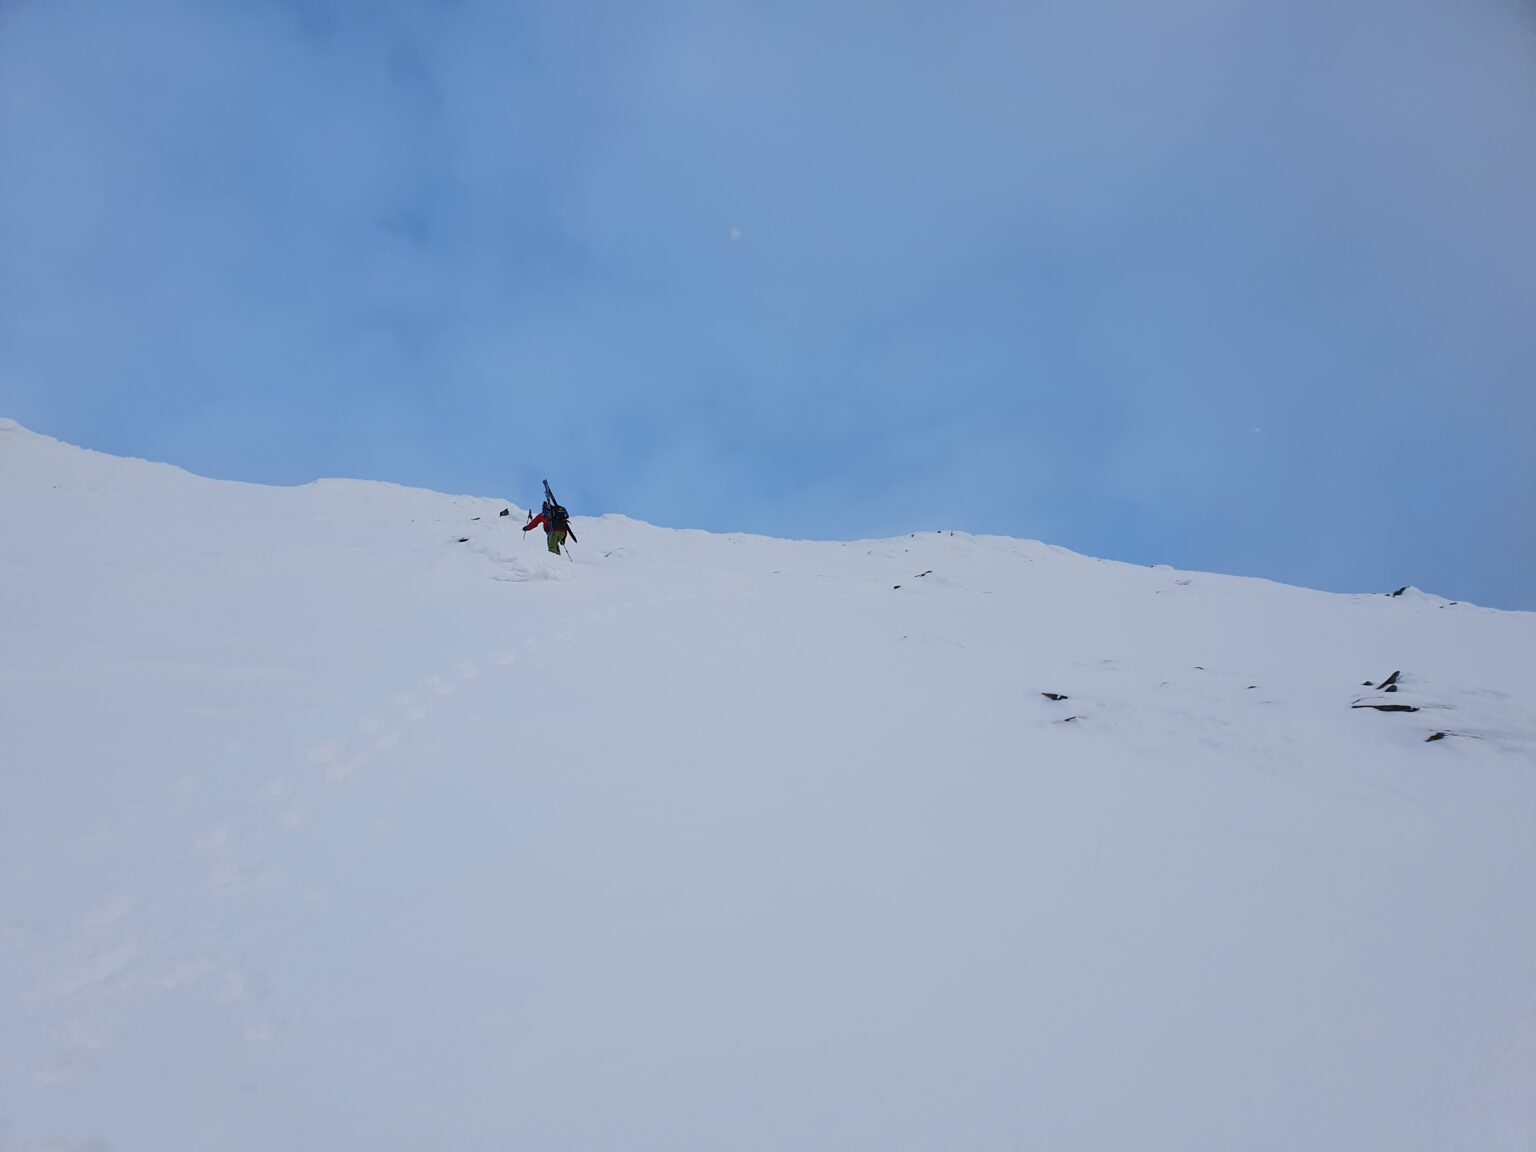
pixel 323 828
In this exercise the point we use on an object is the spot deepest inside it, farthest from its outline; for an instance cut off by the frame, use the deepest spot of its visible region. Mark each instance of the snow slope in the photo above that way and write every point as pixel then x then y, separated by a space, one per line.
pixel 322 829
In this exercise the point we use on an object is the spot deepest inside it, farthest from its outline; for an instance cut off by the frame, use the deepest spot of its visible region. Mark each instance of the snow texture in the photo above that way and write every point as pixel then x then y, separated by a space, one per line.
pixel 321 829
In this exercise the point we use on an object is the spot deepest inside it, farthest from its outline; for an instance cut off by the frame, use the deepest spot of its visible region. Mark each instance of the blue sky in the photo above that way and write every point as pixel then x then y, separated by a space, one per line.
pixel 1245 285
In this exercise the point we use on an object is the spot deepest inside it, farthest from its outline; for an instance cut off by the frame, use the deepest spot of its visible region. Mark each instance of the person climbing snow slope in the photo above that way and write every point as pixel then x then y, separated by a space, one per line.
pixel 555 520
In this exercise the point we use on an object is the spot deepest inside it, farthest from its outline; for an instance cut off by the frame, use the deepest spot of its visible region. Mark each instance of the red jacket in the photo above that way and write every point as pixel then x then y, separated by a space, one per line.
pixel 548 527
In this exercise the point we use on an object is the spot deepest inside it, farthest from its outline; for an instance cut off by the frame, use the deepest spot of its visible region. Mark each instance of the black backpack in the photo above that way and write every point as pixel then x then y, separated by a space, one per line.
pixel 555 514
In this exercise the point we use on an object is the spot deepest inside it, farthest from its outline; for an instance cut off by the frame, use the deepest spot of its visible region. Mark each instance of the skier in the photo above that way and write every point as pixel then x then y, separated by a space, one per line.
pixel 555 520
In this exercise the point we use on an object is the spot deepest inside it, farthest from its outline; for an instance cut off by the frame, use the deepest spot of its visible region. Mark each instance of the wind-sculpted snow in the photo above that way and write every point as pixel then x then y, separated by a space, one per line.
pixel 348 816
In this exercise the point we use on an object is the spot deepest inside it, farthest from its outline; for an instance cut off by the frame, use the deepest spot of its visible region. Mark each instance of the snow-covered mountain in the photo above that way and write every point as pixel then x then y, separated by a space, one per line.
pixel 345 816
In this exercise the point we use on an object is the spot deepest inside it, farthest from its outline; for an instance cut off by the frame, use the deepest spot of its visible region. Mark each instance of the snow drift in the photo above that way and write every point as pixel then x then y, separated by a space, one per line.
pixel 345 816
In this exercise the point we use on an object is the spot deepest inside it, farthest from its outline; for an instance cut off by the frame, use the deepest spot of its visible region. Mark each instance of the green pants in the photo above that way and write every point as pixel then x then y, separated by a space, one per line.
pixel 554 540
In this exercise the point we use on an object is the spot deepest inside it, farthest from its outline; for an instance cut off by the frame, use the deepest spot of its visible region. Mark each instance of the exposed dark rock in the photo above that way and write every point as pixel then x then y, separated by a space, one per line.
pixel 1387 707
pixel 463 539
pixel 1401 590
pixel 895 586
pixel 505 512
pixel 1436 736
pixel 1069 719
pixel 1390 688
pixel 920 575
pixel 1053 695
pixel 1389 681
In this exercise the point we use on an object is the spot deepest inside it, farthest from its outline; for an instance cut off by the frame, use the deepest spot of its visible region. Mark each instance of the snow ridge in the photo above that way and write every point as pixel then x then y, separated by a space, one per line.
pixel 346 815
